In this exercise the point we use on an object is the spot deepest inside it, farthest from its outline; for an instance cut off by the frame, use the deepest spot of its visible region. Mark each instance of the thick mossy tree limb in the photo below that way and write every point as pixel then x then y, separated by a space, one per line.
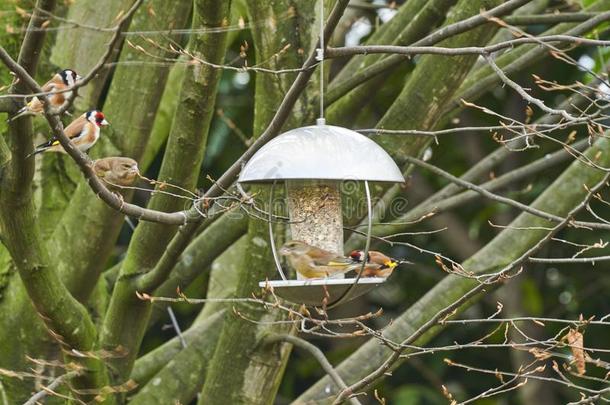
pixel 223 280
pixel 162 124
pixel 559 198
pixel 66 319
pixel 243 370
pixel 391 32
pixel 179 371
pixel 127 316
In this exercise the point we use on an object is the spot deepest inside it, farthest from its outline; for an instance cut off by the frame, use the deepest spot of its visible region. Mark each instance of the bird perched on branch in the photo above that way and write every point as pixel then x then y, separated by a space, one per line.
pixel 83 132
pixel 377 264
pixel 116 171
pixel 60 81
pixel 313 262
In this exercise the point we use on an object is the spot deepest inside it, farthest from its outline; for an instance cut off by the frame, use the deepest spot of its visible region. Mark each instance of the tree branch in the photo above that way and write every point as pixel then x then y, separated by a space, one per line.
pixel 318 355
pixel 504 200
pixel 84 162
pixel 472 50
pixel 535 19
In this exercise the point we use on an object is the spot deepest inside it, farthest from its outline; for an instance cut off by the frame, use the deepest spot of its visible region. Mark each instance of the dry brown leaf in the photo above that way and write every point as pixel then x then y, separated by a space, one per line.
pixel 576 341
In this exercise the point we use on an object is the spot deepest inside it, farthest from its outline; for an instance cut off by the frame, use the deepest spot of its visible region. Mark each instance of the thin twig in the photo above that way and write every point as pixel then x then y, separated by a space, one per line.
pixel 317 354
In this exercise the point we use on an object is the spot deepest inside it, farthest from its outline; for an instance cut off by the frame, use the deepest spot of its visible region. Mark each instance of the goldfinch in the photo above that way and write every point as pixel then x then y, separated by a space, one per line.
pixel 377 264
pixel 61 81
pixel 83 132
pixel 116 171
pixel 313 262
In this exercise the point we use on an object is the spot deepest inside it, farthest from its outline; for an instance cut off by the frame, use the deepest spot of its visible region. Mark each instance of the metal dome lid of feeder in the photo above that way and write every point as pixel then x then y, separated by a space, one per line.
pixel 321 152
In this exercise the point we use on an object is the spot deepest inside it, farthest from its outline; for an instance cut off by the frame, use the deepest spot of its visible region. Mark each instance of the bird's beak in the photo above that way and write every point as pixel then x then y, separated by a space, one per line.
pixel 284 251
pixel 104 122
pixel 78 77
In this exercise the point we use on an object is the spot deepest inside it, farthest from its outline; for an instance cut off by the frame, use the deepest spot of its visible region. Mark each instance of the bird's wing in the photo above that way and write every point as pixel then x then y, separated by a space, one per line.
pixel 332 260
pixel 50 85
pixel 76 127
pixel 72 131
pixel 380 258
pixel 100 166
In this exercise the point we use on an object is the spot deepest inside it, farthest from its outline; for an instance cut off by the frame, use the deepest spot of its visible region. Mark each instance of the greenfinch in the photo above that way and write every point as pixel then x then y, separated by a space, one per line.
pixel 313 262
pixel 116 171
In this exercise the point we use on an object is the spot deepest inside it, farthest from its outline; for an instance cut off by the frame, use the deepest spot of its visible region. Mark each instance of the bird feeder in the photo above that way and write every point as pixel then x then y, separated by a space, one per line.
pixel 312 162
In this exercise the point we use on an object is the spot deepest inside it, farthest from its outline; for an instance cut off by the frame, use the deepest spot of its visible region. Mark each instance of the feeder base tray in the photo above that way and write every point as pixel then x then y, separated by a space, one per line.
pixel 312 292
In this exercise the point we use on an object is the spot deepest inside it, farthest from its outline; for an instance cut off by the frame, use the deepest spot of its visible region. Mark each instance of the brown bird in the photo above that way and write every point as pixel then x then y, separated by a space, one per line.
pixel 60 81
pixel 377 264
pixel 83 132
pixel 313 262
pixel 116 171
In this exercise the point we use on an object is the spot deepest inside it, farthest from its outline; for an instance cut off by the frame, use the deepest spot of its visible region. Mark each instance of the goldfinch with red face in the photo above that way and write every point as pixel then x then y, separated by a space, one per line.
pixel 83 132
pixel 312 262
pixel 116 171
pixel 61 81
pixel 377 264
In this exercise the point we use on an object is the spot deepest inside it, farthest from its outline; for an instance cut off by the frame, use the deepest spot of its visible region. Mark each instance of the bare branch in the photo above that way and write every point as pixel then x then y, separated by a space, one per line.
pixel 317 354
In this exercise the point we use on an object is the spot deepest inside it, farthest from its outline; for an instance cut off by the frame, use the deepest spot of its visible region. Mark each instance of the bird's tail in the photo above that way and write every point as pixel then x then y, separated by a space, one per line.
pixel 25 110
pixel 41 148
pixel 36 152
